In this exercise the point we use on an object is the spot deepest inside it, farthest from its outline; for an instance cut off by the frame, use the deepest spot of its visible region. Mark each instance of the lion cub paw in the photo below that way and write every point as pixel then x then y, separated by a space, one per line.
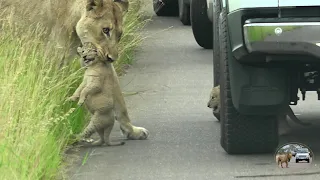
pixel 139 133
pixel 87 140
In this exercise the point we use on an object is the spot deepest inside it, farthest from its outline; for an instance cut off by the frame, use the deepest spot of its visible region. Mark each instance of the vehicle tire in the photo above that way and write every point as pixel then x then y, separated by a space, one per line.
pixel 308 160
pixel 216 49
pixel 200 23
pixel 169 9
pixel 184 13
pixel 297 161
pixel 240 134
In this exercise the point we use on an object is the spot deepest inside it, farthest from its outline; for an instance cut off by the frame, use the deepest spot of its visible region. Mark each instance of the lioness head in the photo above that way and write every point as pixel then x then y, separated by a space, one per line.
pixel 101 25
pixel 214 101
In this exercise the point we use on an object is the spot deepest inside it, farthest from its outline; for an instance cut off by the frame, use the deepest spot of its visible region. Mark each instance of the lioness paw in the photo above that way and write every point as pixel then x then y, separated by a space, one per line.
pixel 139 133
pixel 80 102
pixel 72 98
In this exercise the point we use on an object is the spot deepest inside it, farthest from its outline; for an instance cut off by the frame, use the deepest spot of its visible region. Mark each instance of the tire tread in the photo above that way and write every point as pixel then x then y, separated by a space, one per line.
pixel 241 134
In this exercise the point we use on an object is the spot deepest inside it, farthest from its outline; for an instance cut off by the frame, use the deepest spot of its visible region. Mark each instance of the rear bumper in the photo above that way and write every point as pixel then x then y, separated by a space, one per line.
pixel 301 38
pixel 253 39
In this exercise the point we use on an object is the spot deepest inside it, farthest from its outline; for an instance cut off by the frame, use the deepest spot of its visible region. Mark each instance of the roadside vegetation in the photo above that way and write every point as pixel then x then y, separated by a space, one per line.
pixel 36 124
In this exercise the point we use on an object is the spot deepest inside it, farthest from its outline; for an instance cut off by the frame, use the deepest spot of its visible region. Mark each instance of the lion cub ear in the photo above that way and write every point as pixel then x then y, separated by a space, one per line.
pixel 94 4
pixel 124 4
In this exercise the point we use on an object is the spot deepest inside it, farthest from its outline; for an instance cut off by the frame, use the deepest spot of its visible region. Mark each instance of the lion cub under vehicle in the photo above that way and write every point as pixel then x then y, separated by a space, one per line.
pixel 214 103
pixel 283 158
pixel 96 92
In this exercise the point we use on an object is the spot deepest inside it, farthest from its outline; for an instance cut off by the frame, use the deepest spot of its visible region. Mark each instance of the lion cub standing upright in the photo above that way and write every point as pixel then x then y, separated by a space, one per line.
pixel 96 92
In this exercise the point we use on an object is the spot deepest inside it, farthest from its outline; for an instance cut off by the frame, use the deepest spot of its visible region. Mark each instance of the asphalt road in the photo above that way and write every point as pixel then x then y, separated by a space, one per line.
pixel 300 164
pixel 174 76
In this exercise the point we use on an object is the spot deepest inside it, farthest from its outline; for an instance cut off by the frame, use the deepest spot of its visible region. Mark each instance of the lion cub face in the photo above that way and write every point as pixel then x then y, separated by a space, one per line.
pixel 214 101
pixel 89 56
pixel 101 25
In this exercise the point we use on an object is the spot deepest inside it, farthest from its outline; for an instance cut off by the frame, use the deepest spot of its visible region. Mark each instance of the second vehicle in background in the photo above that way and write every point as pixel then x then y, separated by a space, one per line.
pixel 200 22
pixel 179 8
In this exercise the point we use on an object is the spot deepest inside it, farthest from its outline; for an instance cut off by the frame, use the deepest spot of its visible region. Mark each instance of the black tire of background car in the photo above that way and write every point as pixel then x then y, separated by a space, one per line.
pixel 184 13
pixel 240 134
pixel 216 49
pixel 169 9
pixel 201 24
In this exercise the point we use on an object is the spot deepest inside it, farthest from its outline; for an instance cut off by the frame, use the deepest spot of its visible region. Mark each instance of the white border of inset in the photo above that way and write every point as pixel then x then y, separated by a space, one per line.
pixel 288 143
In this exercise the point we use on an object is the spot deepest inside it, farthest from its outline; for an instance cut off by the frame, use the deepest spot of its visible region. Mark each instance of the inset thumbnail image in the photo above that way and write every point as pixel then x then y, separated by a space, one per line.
pixel 294 155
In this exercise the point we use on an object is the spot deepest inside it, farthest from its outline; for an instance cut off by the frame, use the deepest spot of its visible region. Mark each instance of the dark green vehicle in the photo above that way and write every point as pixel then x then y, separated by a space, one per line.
pixel 265 52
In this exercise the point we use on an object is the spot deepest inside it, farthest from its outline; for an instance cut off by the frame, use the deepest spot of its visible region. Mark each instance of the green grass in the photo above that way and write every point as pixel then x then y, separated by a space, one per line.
pixel 36 124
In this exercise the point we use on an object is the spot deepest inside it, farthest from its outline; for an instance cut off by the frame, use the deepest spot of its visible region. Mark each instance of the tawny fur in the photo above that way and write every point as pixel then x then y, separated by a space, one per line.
pixel 60 18
pixel 71 24
pixel 99 22
pixel 214 103
pixel 283 158
pixel 96 93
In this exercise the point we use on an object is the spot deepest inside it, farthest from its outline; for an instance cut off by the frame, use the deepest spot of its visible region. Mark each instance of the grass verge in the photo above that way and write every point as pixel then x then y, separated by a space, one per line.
pixel 36 123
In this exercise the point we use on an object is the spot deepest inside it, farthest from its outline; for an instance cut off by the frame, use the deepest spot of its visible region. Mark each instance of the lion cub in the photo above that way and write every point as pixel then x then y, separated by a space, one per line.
pixel 95 92
pixel 283 158
pixel 214 103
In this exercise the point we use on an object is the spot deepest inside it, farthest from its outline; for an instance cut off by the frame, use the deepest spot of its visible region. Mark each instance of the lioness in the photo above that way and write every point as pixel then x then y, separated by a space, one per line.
pixel 283 158
pixel 70 24
pixel 96 92
pixel 214 103
pixel 99 22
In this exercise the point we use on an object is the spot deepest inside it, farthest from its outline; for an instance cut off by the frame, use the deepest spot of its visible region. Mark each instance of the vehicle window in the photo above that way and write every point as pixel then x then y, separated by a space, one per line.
pixel 303 151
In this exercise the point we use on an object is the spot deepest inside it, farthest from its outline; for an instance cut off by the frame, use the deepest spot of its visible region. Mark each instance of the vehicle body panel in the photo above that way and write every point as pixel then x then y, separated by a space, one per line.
pixel 237 4
pixel 254 91
pixel 284 3
pixel 262 90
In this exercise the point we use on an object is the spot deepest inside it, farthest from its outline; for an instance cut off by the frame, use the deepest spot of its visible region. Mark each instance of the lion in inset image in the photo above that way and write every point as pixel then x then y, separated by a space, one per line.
pixel 214 103
pixel 283 158
pixel 96 92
